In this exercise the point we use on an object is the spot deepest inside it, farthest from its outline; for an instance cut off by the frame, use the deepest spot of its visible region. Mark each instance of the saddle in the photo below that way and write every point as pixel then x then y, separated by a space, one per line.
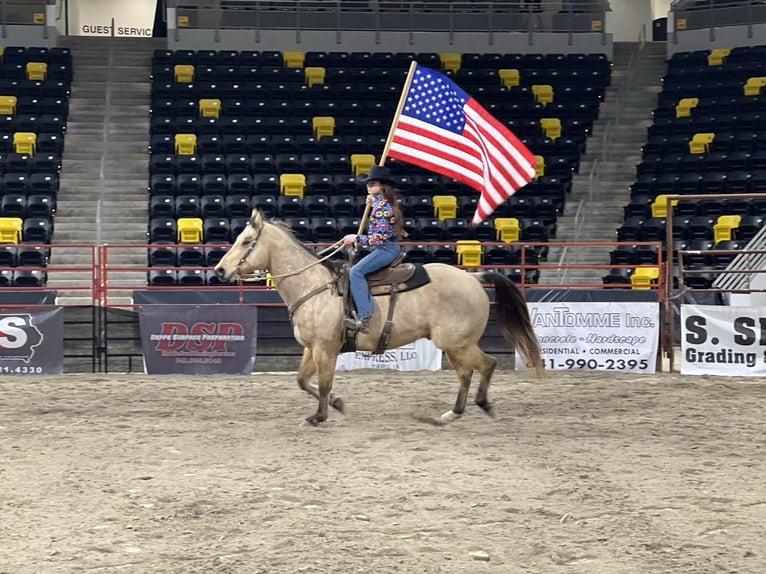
pixel 391 280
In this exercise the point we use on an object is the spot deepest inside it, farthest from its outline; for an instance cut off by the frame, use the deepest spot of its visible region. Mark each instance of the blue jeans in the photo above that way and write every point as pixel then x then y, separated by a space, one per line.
pixel 379 257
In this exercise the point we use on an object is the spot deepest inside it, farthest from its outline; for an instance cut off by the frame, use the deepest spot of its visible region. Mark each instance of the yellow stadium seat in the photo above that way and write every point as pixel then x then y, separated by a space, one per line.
pixel 643 277
pixel 543 93
pixel 10 229
pixel 451 60
pixel 361 162
pixel 469 252
pixel 7 105
pixel 270 280
pixel 700 142
pixel 323 126
pixel 37 70
pixel 754 85
pixel 660 205
pixel 189 230
pixel 539 166
pixel 293 58
pixel 24 142
pixel 551 127
pixel 685 106
pixel 186 144
pixel 210 108
pixel 509 77
pixel 507 229
pixel 723 227
pixel 717 56
pixel 314 75
pixel 183 73
pixel 292 184
pixel 444 206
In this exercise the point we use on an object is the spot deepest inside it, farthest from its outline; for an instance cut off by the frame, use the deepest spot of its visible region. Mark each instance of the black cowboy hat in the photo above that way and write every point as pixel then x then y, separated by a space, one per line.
pixel 377 173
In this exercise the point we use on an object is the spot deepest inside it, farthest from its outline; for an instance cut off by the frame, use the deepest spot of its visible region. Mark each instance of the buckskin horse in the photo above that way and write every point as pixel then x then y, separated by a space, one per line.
pixel 452 310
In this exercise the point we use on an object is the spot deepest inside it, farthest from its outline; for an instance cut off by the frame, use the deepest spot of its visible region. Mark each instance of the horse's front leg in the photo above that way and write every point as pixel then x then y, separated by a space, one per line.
pixel 306 370
pixel 324 362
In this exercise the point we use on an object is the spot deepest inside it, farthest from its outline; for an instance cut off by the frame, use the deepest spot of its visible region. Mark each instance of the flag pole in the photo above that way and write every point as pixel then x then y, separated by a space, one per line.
pixel 399 108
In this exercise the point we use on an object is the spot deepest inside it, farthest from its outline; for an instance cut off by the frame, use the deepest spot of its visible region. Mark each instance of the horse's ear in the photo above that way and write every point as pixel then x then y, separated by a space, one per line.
pixel 256 218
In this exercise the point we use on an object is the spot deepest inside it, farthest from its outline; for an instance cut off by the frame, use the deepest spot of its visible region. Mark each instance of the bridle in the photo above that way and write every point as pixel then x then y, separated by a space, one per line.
pixel 262 273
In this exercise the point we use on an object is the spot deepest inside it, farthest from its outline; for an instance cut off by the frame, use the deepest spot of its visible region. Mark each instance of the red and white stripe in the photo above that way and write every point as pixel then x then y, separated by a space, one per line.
pixel 487 156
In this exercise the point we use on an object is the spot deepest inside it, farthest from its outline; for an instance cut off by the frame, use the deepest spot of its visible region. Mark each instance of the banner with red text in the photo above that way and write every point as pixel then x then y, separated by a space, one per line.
pixel 198 340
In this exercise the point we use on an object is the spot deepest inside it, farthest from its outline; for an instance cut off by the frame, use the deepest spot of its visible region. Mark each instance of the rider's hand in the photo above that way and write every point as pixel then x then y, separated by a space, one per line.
pixel 349 239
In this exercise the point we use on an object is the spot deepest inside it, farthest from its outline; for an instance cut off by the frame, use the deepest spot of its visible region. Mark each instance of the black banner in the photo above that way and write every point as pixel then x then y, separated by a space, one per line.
pixel 198 340
pixel 32 341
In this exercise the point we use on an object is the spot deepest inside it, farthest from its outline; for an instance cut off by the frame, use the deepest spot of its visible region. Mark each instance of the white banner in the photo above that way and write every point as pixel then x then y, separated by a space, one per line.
pixel 134 19
pixel 613 336
pixel 422 355
pixel 718 340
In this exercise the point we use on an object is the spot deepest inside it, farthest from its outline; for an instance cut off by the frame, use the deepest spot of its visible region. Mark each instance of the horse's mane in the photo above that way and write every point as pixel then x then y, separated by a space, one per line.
pixel 333 265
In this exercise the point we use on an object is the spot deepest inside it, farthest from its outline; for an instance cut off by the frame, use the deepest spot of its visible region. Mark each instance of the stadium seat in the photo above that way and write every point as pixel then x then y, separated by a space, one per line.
pixel 292 184
pixel 13 205
pixel 469 253
pixel 361 163
pixel 11 229
pixel 543 93
pixel 508 229
pixel 685 106
pixel 8 105
pixel 162 206
pixel 185 144
pixel 183 73
pixel 700 142
pixel 450 61
pixel 444 206
pixel 190 230
pixel 29 278
pixel 644 277
pixel 163 256
pixel 551 127
pixel 509 77
pixel 209 107
pixel 36 230
pixel 163 278
pixel 216 230
pixel 24 142
pixel 162 230
pixel 37 70
pixel 187 206
pixel 724 227
pixel 659 207
pixel 717 56
pixel 323 126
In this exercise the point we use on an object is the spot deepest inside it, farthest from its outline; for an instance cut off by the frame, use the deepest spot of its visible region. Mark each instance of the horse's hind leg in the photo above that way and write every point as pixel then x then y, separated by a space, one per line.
pixel 306 370
pixel 485 371
pixel 460 361
pixel 325 365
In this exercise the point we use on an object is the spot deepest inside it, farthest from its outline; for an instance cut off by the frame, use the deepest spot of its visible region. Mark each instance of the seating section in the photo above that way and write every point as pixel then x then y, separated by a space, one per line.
pixel 34 103
pixel 290 132
pixel 707 138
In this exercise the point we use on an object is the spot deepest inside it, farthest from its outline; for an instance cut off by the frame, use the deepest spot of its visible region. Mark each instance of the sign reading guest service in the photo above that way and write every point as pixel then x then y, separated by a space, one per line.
pixel 134 19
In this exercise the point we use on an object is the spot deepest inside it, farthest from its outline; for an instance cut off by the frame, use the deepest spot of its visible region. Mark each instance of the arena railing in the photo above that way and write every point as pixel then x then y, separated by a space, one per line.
pixel 438 16
pixel 700 14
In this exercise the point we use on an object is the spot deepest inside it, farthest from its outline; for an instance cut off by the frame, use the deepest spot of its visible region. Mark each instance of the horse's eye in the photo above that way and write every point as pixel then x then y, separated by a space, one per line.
pixel 246 242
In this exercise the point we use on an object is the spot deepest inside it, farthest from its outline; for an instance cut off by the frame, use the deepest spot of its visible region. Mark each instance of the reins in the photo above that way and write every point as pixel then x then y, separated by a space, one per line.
pixel 260 275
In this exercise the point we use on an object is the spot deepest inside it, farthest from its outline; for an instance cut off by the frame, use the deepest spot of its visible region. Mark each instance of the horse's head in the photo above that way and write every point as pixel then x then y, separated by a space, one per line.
pixel 247 254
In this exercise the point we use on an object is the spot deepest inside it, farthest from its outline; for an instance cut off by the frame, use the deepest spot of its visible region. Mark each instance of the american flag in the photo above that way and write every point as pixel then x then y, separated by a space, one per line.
pixel 443 129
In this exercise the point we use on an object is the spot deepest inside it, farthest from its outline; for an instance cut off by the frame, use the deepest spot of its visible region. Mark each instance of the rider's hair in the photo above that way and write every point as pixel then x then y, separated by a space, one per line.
pixel 391 195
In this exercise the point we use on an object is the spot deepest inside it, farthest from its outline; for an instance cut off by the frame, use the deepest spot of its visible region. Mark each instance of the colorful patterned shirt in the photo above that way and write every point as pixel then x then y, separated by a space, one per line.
pixel 381 226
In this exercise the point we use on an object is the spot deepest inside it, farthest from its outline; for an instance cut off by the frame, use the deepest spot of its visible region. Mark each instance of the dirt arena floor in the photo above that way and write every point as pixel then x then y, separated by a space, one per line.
pixel 581 473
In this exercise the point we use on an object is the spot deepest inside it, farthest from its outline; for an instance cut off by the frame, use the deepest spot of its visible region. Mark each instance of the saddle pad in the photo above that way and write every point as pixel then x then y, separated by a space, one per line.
pixel 419 279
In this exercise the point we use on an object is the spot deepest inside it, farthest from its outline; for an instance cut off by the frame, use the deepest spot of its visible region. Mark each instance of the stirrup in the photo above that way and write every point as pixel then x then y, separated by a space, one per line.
pixel 356 324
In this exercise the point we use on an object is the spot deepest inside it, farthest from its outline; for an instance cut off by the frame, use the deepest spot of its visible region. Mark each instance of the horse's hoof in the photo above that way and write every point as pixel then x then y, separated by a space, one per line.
pixel 338 404
pixel 450 416
pixel 314 420
pixel 488 408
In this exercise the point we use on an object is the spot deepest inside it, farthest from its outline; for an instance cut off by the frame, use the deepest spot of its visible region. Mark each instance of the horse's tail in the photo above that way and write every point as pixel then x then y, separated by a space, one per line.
pixel 512 317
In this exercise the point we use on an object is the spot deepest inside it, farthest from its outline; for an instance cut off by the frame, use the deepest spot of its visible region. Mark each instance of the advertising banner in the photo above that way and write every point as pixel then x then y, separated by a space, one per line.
pixel 613 336
pixel 198 339
pixel 422 355
pixel 134 19
pixel 32 341
pixel 719 340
